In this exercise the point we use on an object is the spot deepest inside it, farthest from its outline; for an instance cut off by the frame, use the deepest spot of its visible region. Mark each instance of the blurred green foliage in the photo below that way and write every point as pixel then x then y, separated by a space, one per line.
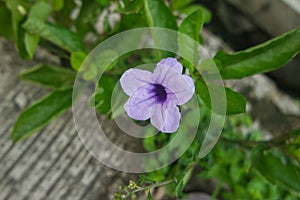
pixel 244 166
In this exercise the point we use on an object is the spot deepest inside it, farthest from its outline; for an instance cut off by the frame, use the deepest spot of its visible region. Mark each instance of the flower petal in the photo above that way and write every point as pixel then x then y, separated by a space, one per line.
pixel 133 79
pixel 165 117
pixel 182 86
pixel 189 80
pixel 138 106
pixel 164 66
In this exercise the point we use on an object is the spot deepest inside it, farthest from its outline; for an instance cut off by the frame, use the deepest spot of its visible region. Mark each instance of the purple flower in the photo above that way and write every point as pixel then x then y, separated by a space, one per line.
pixel 156 95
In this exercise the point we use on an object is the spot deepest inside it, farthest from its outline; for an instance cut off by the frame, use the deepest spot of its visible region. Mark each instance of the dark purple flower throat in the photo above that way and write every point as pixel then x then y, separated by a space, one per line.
pixel 159 93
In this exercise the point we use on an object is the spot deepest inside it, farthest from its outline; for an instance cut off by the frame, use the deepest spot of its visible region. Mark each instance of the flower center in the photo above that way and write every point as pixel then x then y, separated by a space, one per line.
pixel 160 93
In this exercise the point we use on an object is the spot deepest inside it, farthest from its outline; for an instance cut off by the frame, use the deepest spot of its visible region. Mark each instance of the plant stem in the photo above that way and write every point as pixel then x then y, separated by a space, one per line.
pixel 153 185
pixel 276 142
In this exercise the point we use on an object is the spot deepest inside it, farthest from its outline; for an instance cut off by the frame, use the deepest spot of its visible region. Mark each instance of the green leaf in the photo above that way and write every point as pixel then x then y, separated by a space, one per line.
pixel 159 15
pixel 129 6
pixel 39 114
pixel 93 66
pixel 149 195
pixel 177 4
pixel 191 27
pixel 49 76
pixel 5 22
pixel 58 4
pixel 278 171
pixel 18 9
pixel 192 24
pixel 261 58
pixel 26 42
pixel 103 2
pixel 107 58
pixel 91 72
pixel 62 18
pixel 190 9
pixel 60 36
pixel 87 18
pixel 235 102
pixel 39 11
pixel 77 59
pixel 133 20
pixel 31 42
pixel 102 96
pixel 179 188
